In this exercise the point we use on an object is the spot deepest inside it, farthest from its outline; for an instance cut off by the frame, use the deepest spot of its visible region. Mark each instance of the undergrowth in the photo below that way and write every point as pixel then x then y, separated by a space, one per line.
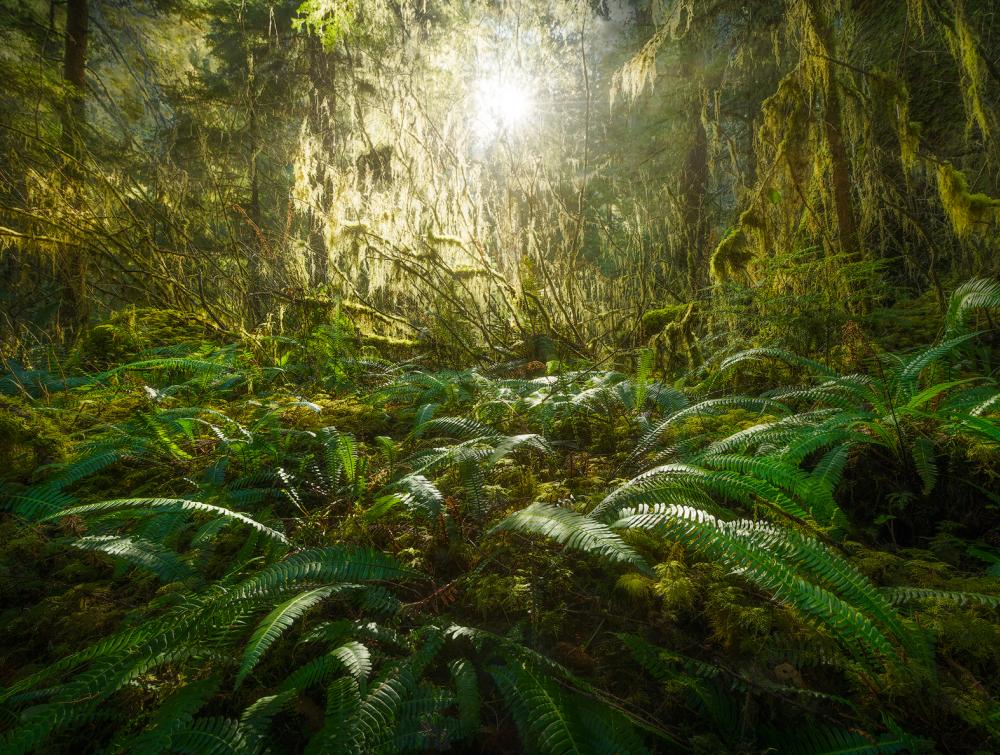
pixel 292 545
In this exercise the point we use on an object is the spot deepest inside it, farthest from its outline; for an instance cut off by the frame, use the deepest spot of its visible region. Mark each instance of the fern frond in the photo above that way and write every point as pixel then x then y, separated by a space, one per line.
pixel 275 624
pixel 467 695
pixel 911 369
pixel 573 530
pixel 174 713
pixel 641 382
pixel 35 503
pixel 981 293
pixel 162 561
pixel 256 718
pixel 738 545
pixel 539 709
pixel 460 428
pixel 925 463
pixel 319 566
pixel 164 505
pixel 829 740
pixel 510 443
pixel 902 595
pixel 419 494
pixel 211 736
pixel 356 659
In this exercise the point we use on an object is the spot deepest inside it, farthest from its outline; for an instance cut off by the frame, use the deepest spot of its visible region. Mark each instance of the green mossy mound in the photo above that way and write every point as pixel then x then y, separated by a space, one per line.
pixel 132 331
pixel 28 440
pixel 346 413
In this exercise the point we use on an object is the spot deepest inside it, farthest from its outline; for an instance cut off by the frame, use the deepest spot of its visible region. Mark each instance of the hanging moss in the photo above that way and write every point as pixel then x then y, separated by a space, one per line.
pixel 965 209
pixel 965 50
pixel 892 92
pixel 675 346
pixel 731 256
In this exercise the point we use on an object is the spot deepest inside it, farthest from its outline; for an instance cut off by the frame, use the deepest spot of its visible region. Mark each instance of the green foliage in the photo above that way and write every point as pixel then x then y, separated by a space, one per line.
pixel 573 530
pixel 275 581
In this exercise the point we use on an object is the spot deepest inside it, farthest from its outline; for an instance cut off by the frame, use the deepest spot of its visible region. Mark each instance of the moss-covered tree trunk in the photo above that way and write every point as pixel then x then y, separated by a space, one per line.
pixel 695 170
pixel 693 188
pixel 847 229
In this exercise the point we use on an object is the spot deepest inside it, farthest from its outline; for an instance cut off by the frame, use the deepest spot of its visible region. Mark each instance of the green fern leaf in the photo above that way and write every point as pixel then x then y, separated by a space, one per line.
pixel 355 658
pixel 974 294
pixel 275 624
pixel 211 736
pixel 573 530
pixel 162 561
pixel 167 504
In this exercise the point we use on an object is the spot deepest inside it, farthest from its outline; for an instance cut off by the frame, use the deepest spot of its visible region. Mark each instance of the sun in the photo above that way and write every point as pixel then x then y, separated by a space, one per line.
pixel 502 105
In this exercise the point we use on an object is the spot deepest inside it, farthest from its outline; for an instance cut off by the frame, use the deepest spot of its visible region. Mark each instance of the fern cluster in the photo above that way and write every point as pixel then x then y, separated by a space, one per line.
pixel 288 584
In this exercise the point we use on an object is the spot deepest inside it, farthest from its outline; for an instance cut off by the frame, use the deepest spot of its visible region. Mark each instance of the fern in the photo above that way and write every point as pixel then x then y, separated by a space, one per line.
pixel 211 736
pixel 828 740
pixel 573 530
pixel 738 545
pixel 467 695
pixel 163 562
pixel 645 368
pixel 902 595
pixel 540 710
pixel 167 505
pixel 974 294
pixel 175 713
pixel 275 624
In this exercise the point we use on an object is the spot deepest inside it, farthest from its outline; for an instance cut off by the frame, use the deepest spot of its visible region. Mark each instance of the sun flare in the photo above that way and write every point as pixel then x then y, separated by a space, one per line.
pixel 502 105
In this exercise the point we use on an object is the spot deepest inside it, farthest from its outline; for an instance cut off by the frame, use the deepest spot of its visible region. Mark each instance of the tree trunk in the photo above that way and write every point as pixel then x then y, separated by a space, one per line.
pixel 833 129
pixel 74 69
pixel 695 170
pixel 74 298
pixel 693 189
pixel 322 74
pixel 847 229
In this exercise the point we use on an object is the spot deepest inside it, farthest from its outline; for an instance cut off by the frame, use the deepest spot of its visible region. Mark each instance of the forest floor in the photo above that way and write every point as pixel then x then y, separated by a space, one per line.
pixel 294 545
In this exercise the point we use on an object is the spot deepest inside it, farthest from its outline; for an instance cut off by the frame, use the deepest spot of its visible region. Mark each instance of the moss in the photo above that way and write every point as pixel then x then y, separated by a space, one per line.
pixel 730 256
pixel 129 332
pixel 738 621
pixel 654 320
pixel 390 347
pixel 964 209
pixel 493 593
pixel 27 439
pixel 553 492
pixel 346 413
pixel 675 346
pixel 734 252
pixel 467 272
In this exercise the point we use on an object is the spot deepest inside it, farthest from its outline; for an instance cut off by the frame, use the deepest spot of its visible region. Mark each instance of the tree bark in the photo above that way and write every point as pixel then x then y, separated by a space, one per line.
pixel 693 189
pixel 74 69
pixel 847 229
pixel 74 298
